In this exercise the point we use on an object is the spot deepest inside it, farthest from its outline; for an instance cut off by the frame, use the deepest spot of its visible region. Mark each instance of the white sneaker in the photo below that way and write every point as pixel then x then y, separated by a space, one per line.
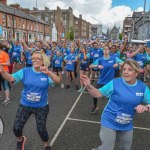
pixel 62 85
pixel 6 102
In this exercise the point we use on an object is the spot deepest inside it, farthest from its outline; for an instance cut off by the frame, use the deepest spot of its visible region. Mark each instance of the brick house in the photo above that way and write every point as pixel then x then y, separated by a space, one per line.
pixel 20 25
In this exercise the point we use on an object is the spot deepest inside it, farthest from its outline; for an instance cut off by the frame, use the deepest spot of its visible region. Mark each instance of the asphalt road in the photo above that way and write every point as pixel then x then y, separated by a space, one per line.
pixel 70 125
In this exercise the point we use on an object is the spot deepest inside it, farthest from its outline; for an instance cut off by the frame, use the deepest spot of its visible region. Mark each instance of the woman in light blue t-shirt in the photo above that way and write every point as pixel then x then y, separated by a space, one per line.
pixel 34 97
pixel 125 95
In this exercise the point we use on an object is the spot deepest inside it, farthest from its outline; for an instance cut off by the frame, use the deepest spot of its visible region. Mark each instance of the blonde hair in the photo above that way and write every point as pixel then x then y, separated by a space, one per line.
pixel 133 64
pixel 44 57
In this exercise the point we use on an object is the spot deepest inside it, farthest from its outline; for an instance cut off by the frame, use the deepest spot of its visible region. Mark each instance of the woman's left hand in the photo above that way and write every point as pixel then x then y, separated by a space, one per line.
pixel 141 108
pixel 44 70
pixel 115 65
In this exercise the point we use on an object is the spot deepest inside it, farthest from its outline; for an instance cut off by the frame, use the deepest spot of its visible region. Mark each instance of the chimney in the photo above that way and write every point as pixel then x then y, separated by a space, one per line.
pixel 46 9
pixel 4 2
pixel 17 6
pixel 35 9
pixel 26 10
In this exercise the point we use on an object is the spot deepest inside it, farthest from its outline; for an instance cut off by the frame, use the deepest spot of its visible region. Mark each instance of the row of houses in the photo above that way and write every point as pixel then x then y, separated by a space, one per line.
pixel 19 25
pixel 137 26
pixel 23 23
pixel 65 19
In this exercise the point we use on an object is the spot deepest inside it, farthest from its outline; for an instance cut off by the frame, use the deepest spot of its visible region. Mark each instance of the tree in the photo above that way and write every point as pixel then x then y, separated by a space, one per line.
pixel 70 34
pixel 120 36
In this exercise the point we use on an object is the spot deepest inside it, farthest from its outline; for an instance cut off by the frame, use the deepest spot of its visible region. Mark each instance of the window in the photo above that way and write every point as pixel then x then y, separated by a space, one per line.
pixel 64 22
pixel 28 25
pixel 76 22
pixel 4 19
pixel 9 21
pixel 64 16
pixel 15 22
pixel 39 17
pixel 20 23
pixel 46 19
pixel 24 24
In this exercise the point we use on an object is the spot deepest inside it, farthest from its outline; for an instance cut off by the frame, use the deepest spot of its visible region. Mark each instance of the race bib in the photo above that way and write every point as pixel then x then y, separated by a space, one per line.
pixel 69 62
pixel 14 53
pixel 96 55
pixel 83 62
pixel 34 97
pixel 140 63
pixel 57 62
pixel 123 118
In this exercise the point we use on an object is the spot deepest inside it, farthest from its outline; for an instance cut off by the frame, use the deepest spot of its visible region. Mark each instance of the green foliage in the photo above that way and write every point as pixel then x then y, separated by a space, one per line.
pixel 120 36
pixel 70 34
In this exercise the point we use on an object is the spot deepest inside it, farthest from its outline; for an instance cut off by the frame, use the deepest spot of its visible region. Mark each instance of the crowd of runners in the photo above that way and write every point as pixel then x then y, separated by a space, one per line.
pixel 79 61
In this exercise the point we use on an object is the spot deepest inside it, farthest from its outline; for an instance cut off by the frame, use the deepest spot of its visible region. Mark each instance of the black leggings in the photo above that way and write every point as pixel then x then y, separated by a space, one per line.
pixel 23 114
pixel 94 98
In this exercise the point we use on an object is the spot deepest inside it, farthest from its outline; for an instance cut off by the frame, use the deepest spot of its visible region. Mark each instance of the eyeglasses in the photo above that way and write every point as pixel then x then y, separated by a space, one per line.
pixel 36 59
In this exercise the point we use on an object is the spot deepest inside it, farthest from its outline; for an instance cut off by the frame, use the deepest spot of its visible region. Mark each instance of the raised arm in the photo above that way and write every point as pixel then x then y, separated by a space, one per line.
pixel 6 75
pixel 91 89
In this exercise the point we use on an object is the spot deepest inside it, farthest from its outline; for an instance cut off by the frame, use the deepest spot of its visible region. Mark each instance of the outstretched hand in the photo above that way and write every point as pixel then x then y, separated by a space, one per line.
pixel 141 108
pixel 86 80
pixel 44 70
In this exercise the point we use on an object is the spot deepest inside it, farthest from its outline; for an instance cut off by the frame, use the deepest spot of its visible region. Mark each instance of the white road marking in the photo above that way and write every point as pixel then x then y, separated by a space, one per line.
pixel 96 122
pixel 65 120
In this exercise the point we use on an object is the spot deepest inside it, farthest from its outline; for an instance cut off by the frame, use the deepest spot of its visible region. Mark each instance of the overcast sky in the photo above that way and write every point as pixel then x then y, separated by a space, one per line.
pixel 105 12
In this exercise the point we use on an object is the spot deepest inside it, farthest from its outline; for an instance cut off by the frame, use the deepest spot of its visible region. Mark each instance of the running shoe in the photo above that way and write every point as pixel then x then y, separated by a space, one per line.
pixel 62 85
pixel 47 148
pixel 20 144
pixel 94 110
pixel 6 102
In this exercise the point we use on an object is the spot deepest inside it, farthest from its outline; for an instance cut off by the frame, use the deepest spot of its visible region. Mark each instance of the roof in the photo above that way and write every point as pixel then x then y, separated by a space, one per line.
pixel 19 13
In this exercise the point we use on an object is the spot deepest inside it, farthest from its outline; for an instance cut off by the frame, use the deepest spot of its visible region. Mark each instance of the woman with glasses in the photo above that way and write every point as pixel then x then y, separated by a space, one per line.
pixel 125 95
pixel 34 97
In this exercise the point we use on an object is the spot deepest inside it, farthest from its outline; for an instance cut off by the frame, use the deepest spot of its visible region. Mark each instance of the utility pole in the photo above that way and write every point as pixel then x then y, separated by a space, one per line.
pixel 144 5
pixel 36 20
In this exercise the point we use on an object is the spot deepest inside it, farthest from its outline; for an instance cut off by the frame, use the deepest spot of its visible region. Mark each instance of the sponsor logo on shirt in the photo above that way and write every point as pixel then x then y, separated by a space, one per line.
pixel 111 61
pixel 139 94
pixel 96 55
pixel 43 79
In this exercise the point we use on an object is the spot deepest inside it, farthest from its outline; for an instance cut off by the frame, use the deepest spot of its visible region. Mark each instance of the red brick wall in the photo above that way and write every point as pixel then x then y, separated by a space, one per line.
pixel 0 19
pixel 3 2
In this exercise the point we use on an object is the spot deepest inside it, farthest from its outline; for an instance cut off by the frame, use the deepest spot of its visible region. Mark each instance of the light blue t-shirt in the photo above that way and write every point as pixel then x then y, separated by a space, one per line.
pixel 123 98
pixel 107 73
pixel 35 87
